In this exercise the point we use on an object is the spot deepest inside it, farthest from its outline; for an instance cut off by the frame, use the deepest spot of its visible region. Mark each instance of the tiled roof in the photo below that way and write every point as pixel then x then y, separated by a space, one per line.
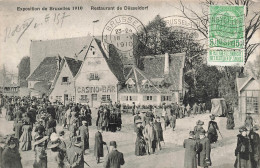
pixel 138 77
pixel 113 60
pixel 65 47
pixel 74 65
pixel 153 67
pixel 46 71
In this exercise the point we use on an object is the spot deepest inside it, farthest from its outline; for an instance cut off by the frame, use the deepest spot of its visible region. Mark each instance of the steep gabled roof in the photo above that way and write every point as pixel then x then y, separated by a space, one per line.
pixel 41 49
pixel 74 65
pixel 154 68
pixel 242 82
pixel 46 71
pixel 139 78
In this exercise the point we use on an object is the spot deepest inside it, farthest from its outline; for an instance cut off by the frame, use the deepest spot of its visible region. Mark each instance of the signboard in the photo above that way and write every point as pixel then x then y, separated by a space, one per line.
pixel 97 89
pixel 226 36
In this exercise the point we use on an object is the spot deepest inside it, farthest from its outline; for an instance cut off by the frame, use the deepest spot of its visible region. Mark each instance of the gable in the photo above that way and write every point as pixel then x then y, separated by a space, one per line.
pixel 251 85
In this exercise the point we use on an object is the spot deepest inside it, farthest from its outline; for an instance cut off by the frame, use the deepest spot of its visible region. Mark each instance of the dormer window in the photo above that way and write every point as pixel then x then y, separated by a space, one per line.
pixel 130 83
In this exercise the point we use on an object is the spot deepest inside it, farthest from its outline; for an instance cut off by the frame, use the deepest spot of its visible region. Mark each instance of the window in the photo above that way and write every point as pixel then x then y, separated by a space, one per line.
pixel 65 79
pixel 165 98
pixel 105 97
pixel 93 76
pixel 128 98
pixel 72 98
pixel 94 97
pixel 149 97
pixel 251 105
pixel 66 97
pixel 83 97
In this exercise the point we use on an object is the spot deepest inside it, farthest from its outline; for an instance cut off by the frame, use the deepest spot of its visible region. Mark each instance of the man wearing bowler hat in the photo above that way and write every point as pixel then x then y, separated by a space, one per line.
pixel 115 158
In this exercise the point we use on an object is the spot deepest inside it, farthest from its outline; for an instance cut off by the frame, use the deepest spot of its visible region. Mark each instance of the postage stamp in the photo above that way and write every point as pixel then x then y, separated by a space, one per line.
pixel 226 36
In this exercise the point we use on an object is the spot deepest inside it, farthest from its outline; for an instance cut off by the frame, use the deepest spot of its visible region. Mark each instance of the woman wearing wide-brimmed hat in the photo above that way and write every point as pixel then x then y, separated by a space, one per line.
pixel 212 129
pixel 243 150
pixel 56 151
pixel 40 145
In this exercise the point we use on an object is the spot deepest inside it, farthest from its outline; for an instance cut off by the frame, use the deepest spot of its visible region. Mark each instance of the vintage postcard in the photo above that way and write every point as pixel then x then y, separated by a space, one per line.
pixel 134 84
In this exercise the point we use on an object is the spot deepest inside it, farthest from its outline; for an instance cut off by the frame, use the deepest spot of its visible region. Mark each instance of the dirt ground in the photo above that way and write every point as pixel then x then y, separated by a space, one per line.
pixel 171 155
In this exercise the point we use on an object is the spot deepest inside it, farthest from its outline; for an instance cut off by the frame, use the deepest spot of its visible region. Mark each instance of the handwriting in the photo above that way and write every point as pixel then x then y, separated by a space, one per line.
pixel 20 29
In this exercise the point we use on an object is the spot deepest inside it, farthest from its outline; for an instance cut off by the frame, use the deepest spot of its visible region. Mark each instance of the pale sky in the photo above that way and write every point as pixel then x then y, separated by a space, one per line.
pixel 78 23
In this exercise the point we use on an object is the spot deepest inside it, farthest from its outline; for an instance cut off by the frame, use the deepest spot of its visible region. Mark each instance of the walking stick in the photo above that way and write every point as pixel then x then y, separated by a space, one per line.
pixel 220 134
pixel 86 163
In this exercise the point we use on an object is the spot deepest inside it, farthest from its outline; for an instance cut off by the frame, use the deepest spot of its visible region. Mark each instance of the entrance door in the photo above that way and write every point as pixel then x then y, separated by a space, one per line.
pixel 66 98
pixel 94 102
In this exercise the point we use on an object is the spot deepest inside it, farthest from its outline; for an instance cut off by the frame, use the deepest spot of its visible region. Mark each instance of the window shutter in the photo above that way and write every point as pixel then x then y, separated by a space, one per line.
pixel 144 98
pixel 154 98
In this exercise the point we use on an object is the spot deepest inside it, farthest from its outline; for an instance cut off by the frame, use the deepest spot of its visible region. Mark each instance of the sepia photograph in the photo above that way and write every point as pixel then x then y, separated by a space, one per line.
pixel 130 84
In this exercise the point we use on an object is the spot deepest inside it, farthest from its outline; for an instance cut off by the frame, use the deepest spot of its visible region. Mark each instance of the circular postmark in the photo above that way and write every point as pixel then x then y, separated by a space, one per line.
pixel 121 31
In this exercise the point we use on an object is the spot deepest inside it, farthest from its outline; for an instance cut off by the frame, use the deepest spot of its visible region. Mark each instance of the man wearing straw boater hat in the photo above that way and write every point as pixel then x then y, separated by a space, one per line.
pixel 40 145
pixel 114 158
pixel 75 155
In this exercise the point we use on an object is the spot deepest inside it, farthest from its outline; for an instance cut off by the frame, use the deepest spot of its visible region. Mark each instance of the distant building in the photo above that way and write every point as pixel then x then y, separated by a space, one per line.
pixel 63 87
pixel 23 73
pixel 249 97
pixel 40 81
pixel 160 81
pixel 8 83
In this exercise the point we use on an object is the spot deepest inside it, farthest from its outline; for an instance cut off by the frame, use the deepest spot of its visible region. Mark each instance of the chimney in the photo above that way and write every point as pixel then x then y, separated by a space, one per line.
pixel 58 62
pixel 166 64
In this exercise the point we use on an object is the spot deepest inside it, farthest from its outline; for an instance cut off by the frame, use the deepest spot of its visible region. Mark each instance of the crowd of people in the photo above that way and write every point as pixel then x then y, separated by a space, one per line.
pixel 39 117
pixel 42 117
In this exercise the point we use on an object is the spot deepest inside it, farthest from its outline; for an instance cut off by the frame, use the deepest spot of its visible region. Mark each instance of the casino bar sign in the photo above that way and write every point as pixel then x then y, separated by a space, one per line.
pixel 96 89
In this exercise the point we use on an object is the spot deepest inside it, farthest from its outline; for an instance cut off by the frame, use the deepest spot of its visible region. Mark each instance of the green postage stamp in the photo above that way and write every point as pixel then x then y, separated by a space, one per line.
pixel 226 36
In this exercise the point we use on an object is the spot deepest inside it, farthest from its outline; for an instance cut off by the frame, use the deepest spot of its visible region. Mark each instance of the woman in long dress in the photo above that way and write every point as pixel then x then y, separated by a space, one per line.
pixel 212 130
pixel 26 138
pixel 140 142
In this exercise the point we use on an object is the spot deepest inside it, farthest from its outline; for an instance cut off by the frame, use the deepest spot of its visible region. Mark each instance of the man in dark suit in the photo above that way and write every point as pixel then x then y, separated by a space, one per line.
pixel 115 158
pixel 98 148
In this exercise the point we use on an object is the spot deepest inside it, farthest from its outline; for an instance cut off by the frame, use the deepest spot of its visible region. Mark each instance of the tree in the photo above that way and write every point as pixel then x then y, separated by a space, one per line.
pixel 252 20
pixel 160 39
pixel 253 69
